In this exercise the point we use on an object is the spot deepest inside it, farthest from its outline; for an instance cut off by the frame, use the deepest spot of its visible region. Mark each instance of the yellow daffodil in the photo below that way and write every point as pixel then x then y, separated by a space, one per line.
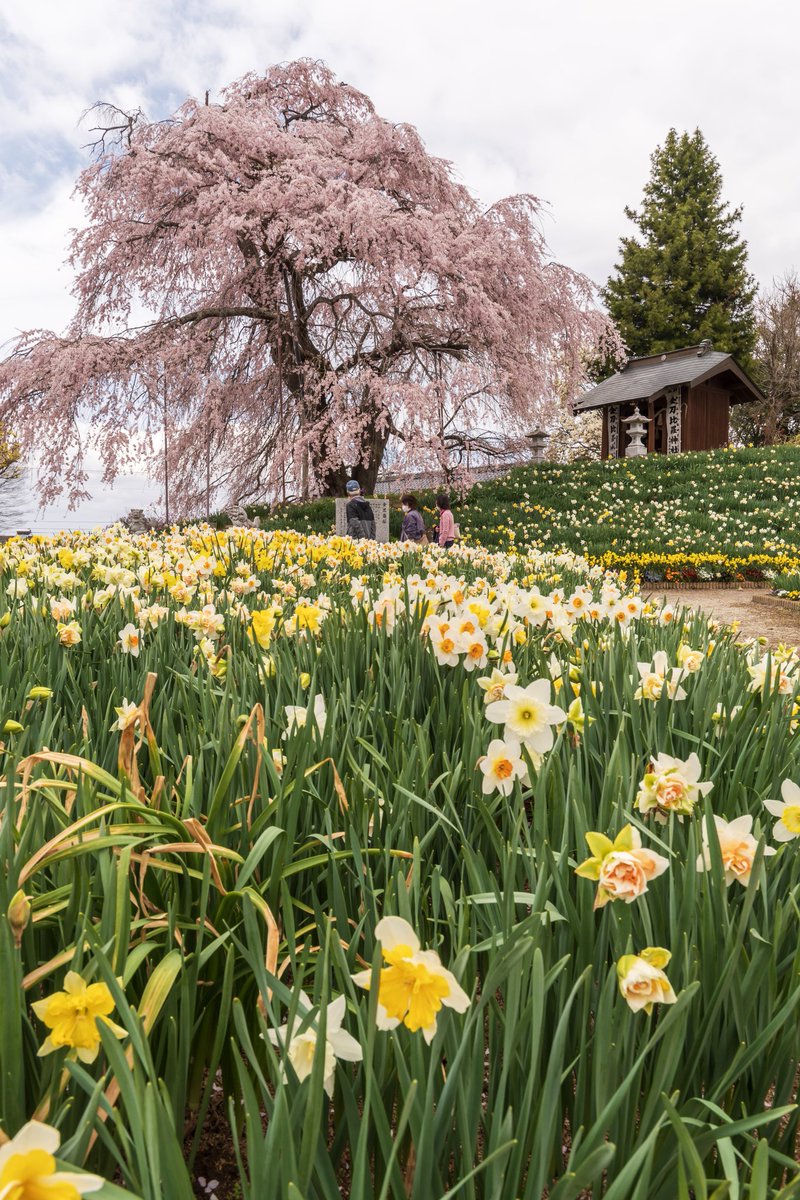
pixel 691 660
pixel 19 914
pixel 73 1016
pixel 671 785
pixel 266 668
pixel 622 868
pixel 28 1168
pixel 413 986
pixel 494 685
pixel 215 660
pixel 69 634
pixel 305 617
pixel 577 717
pixel 642 981
pixel 263 626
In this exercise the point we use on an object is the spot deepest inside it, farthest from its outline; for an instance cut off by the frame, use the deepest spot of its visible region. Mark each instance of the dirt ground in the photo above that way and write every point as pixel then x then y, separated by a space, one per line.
pixel 774 622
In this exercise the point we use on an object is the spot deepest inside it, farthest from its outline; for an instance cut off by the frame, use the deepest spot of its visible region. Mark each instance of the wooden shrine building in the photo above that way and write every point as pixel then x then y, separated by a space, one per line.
pixel 683 396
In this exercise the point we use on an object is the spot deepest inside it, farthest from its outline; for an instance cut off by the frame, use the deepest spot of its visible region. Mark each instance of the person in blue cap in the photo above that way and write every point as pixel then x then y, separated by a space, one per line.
pixel 360 517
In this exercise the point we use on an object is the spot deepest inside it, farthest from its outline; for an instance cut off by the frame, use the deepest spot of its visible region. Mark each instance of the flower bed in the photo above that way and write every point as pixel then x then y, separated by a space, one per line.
pixel 431 873
pixel 727 515
pixel 786 584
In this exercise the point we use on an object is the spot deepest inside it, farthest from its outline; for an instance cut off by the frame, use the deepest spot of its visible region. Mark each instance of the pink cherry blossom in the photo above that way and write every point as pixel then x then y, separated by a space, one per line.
pixel 277 283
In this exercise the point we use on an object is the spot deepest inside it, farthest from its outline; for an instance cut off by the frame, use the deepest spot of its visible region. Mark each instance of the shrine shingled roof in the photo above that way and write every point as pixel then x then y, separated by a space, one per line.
pixel 643 379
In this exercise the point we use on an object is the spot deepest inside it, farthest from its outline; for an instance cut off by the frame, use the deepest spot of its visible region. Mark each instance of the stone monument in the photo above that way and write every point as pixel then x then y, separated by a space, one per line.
pixel 379 506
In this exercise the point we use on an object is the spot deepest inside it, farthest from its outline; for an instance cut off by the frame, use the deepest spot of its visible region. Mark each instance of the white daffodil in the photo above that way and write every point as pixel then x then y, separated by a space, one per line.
pixel 722 717
pixel 475 650
pixel 787 811
pixel 501 765
pixel 61 608
pixel 654 677
pixel 297 716
pixel 445 645
pixel 737 846
pixel 770 672
pixel 130 640
pixel 301 1048
pixel 128 714
pixel 528 714
pixel 556 672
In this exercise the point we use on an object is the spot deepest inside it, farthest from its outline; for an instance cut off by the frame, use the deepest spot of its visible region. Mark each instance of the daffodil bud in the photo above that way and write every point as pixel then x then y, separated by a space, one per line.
pixel 19 914
pixel 40 693
pixel 5 620
pixel 305 680
pixel 12 727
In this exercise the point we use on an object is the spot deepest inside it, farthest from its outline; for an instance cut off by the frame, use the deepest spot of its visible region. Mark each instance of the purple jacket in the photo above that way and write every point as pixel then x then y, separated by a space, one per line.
pixel 413 529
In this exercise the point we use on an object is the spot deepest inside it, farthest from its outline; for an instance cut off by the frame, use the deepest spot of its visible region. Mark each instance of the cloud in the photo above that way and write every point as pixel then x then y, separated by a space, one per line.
pixel 36 294
pixel 19 506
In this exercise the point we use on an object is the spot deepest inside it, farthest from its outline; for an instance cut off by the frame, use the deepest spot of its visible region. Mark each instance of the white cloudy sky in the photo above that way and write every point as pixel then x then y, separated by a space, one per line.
pixel 565 100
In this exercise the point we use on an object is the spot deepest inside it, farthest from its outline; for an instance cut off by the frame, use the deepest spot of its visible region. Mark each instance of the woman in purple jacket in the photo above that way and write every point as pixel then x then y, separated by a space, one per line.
pixel 413 529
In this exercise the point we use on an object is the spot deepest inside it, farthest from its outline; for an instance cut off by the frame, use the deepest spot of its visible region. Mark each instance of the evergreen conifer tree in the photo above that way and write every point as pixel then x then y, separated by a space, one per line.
pixel 685 277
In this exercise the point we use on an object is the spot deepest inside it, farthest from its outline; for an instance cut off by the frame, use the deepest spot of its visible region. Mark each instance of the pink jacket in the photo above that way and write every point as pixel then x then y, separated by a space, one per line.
pixel 447 527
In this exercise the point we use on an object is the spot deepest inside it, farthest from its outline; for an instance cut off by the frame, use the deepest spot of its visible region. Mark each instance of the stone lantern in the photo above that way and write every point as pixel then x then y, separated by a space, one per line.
pixel 637 428
pixel 538 440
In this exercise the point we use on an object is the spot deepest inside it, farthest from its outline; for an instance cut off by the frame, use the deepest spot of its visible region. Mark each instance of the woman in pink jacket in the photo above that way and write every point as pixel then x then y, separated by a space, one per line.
pixel 447 525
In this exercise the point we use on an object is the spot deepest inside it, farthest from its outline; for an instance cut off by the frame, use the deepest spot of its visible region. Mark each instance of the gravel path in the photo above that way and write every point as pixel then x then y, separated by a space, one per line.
pixel 775 623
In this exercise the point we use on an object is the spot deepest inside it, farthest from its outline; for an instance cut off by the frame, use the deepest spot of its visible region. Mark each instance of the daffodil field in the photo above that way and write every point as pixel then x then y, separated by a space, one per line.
pixel 386 873
pixel 729 515
pixel 723 514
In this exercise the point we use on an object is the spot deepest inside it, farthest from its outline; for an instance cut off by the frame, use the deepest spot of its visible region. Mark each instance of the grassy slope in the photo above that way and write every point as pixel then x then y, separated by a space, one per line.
pixel 658 513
